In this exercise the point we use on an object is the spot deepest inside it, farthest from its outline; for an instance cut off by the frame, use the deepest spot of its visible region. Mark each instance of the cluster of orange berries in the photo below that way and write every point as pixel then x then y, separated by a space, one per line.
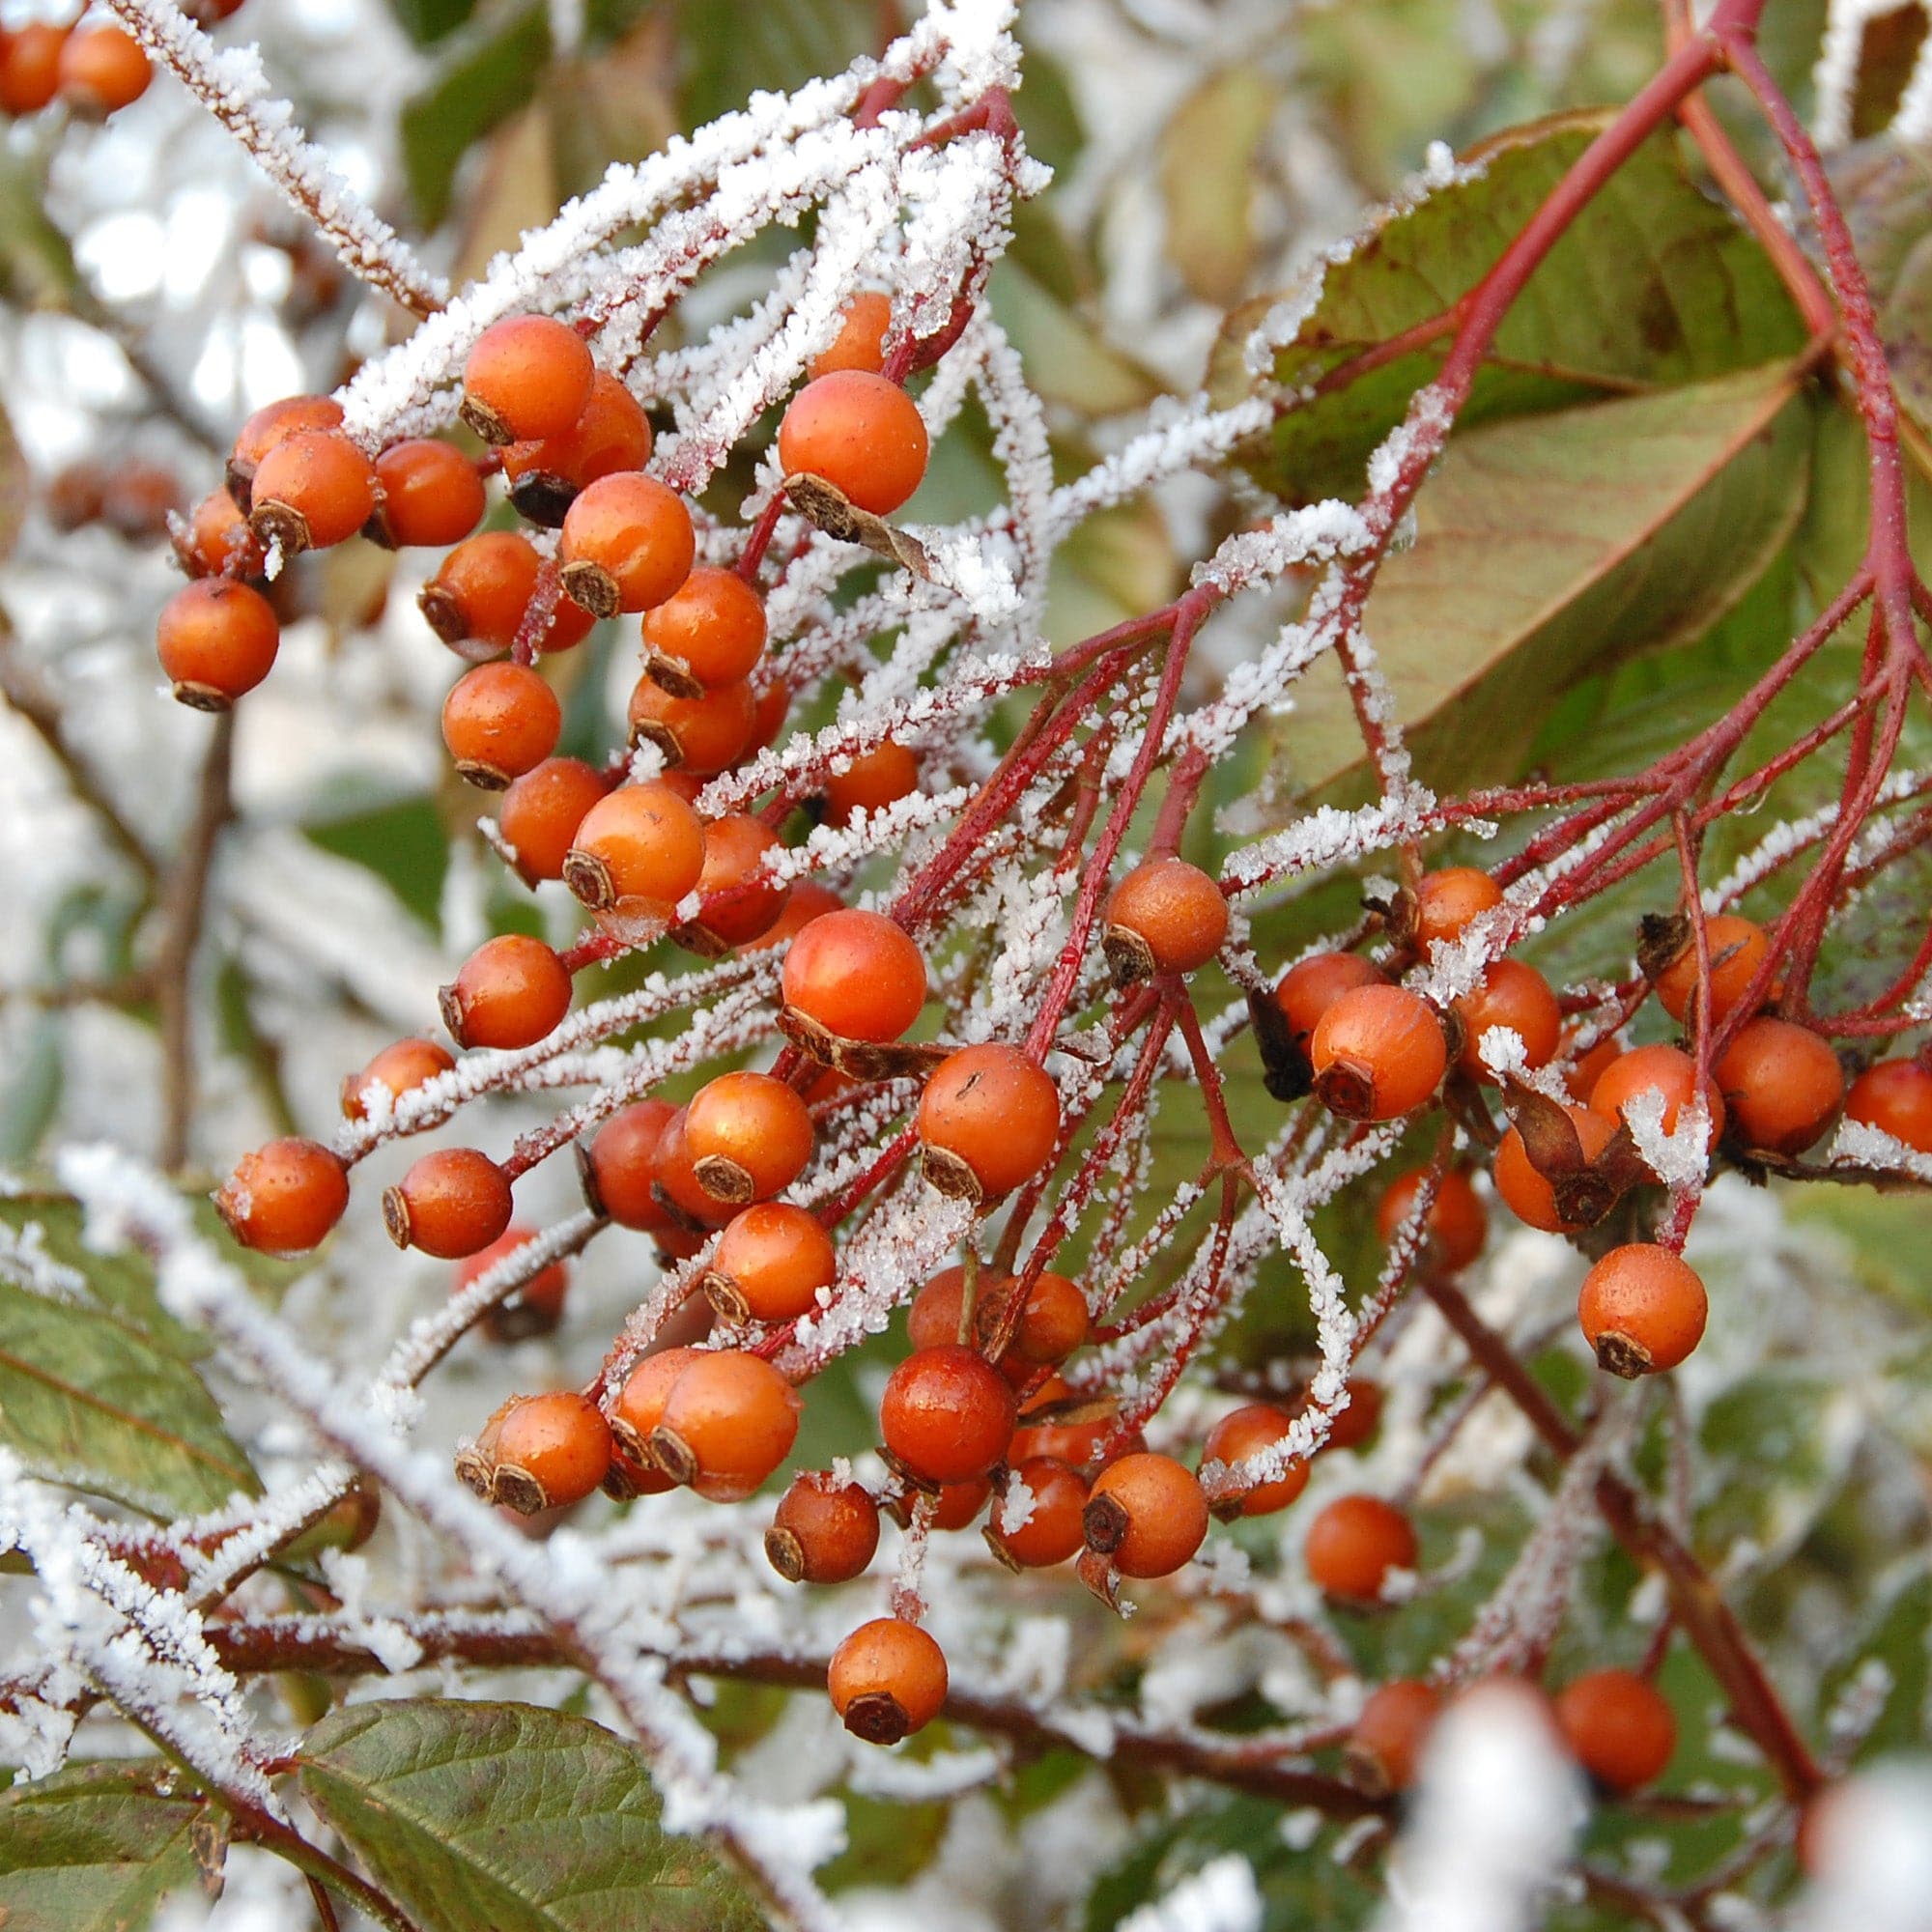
pixel 93 69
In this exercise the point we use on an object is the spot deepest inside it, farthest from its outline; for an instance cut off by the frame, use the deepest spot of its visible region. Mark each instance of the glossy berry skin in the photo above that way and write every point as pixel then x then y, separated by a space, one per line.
pixel 750 1136
pixel 1166 915
pixel 610 433
pixel 30 66
pixel 619 1165
pixel 1516 996
pixel 218 541
pixel 1619 1728
pixel 499 721
pixel 401 1067
pixel 1895 1096
pixel 808 900
pixel 1782 1084
pixel 699 736
pixel 1146 1513
pixel 1387 1741
pixel 862 434
pixel 729 1420
pixel 857 974
pixel 871 781
pixel 1586 1069
pixel 312 489
pixel 217 640
pixel 887 1680
pixel 642 842
pixel 957 1505
pixel 946 1414
pixel 526 376
pixel 1456 1226
pixel 510 992
pixel 285 1197
pixel 549 1451
pixel 477 600
pixel 1642 1309
pixel 710 631
pixel 692 1205
pixel 770 1262
pixel 269 425
pixel 1664 1070
pixel 740 904
pixel 1247 1432
pixel 450 1204
pixel 640 1408
pixel 1077 1443
pixel 1378 1053
pixel 627 544
pixel 988 1120
pixel 536 1307
pixel 934 1317
pixel 1448 899
pixel 431 495
pixel 102 70
pixel 1737 950
pixel 1053 1322
pixel 1527 1195
pixel 860 341
pixel 1053 1528
pixel 541 811
pixel 1354 1545
pixel 822 1532
pixel 1308 989
pixel 1351 1427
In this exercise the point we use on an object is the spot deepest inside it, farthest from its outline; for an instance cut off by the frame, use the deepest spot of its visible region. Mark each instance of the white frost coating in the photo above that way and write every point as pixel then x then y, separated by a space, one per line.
pixel 1858 1145
pixel 1874 1855
pixel 1222 1896
pixel 1499 1803
pixel 1327 837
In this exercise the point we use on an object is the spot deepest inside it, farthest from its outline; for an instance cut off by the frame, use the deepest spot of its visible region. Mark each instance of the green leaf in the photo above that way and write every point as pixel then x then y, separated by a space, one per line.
pixel 506 1818
pixel 403 843
pixel 37 268
pixel 734 48
pixel 95 1848
pixel 1208 153
pixel 1553 547
pixel 488 76
pixel 1652 286
pixel 426 21
pixel 89 1400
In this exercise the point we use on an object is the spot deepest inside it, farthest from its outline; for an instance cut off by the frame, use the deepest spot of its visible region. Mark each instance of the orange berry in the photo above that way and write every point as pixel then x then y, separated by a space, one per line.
pixel 432 495
pixel 638 1410
pixel 692 1205
pixel 1737 948
pixel 860 341
pixel 481 589
pixel 1351 1427
pixel 1586 1069
pixel 641 842
pixel 217 640
pixel 698 736
pixel 1457 1224
pixel 857 974
pixel 750 1136
pixel 887 1680
pixel 739 903
pixel 1147 1513
pixel 1527 1195
pixel 619 1165
pixel 276 422
pixel 1619 1728
pixel 30 57
pixel 1516 996
pixel 1077 1443
pixel 540 1452
pixel 499 721
pixel 449 1204
pixel 806 901
pixel 1166 915
pixel 1247 1432
pixel 541 811
pixel 1378 1053
pixel 729 1420
pixel 862 434
pixel 1054 1322
pixel 770 1262
pixel 526 376
pixel 1392 1730
pixel 510 992
pixel 611 433
pixel 711 631
pixel 284 1198
pixel 1663 1069
pixel 1782 1084
pixel 957 1504
pixel 822 1531
pixel 1895 1096
pixel 1055 1505
pixel 102 68
pixel 536 1307
pixel 988 1120
pixel 871 781
pixel 770 707
pixel 311 490
pixel 946 1414
pixel 1308 990
pixel 1643 1309
pixel 933 1317
pixel 626 544
pixel 218 541
pixel 1446 902
pixel 400 1067
pixel 1354 1543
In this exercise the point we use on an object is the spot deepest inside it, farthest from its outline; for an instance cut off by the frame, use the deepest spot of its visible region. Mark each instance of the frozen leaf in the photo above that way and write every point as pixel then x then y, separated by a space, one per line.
pixel 1208 153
